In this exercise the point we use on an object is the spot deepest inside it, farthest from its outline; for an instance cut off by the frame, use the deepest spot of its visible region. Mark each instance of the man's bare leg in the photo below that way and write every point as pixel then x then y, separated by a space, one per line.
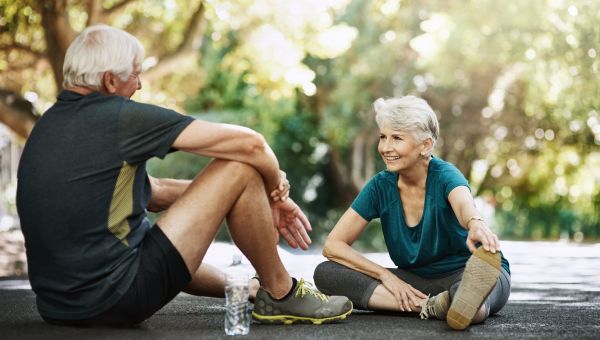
pixel 232 190
pixel 206 281
pixel 210 281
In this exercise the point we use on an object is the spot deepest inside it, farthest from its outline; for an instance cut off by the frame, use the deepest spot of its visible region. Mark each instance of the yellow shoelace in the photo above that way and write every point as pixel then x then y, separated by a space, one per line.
pixel 305 287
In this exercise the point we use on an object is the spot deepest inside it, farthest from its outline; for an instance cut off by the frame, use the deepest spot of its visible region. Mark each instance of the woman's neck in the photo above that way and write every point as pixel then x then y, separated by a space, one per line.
pixel 415 176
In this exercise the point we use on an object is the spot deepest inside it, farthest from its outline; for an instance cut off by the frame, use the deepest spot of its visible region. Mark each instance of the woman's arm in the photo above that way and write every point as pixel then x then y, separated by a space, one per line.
pixel 469 218
pixel 338 248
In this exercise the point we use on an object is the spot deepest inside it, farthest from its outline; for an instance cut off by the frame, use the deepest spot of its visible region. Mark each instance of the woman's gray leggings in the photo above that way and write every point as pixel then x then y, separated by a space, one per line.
pixel 335 279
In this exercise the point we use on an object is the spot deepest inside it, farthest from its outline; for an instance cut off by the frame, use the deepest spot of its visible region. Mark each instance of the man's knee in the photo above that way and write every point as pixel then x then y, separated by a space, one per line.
pixel 236 169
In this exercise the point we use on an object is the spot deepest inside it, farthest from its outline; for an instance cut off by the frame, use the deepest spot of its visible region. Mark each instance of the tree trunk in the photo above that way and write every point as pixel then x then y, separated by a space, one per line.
pixel 17 113
pixel 338 177
pixel 58 33
pixel 363 158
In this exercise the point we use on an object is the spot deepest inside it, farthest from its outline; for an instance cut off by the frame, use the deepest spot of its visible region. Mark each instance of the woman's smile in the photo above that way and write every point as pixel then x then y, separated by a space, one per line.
pixel 390 158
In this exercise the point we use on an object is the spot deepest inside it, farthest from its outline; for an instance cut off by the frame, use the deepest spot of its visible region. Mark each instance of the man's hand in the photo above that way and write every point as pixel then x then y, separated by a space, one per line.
pixel 291 223
pixel 282 192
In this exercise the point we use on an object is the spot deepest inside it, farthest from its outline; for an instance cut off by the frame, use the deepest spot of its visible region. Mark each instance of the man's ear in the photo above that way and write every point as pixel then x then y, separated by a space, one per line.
pixel 108 82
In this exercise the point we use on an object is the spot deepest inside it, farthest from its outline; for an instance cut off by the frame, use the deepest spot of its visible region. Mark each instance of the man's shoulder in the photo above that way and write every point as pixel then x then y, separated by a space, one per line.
pixel 96 98
pixel 134 103
pixel 129 107
pixel 71 105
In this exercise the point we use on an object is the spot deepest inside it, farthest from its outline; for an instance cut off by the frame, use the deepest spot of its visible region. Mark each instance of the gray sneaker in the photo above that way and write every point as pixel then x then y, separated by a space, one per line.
pixel 436 306
pixel 306 304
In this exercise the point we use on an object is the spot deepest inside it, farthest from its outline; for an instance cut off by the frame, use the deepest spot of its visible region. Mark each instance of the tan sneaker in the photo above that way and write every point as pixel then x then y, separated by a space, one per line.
pixel 436 306
pixel 480 276
pixel 306 304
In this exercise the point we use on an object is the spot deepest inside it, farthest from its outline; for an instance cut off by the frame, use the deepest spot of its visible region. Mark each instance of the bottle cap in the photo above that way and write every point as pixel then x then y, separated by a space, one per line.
pixel 237 259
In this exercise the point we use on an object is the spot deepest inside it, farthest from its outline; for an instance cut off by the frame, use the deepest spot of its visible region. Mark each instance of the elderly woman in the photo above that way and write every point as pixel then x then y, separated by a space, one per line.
pixel 431 228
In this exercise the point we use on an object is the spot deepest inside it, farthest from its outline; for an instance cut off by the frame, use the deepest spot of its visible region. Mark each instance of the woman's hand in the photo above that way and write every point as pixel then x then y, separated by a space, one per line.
pixel 480 233
pixel 291 223
pixel 406 295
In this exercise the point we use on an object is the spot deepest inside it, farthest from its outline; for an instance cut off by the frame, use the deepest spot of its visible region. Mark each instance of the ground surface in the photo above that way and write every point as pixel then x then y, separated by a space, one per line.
pixel 556 294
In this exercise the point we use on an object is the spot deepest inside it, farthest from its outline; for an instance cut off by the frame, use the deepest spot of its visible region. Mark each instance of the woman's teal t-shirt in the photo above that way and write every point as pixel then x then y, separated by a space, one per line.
pixel 437 244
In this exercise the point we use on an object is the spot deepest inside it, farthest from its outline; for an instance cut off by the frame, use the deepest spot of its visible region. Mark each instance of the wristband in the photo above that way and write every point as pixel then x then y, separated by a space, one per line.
pixel 477 218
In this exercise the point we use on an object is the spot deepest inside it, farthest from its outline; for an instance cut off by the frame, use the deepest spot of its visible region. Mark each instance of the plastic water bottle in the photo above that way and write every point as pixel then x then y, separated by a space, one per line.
pixel 237 308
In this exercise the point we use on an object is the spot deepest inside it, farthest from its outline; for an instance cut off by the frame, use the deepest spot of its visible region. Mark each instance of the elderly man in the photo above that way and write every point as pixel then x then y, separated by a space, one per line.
pixel 83 194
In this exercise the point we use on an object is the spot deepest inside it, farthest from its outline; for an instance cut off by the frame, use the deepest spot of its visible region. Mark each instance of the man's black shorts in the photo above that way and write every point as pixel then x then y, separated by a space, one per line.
pixel 162 274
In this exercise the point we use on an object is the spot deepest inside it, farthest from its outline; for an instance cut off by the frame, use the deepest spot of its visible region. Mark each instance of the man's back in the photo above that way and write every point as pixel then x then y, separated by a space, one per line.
pixel 82 195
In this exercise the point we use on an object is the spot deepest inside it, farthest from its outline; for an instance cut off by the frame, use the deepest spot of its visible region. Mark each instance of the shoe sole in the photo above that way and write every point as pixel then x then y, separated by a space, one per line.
pixel 480 276
pixel 290 319
pixel 444 304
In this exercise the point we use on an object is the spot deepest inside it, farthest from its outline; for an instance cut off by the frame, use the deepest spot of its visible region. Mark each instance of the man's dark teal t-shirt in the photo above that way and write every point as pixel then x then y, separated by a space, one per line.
pixel 434 247
pixel 82 195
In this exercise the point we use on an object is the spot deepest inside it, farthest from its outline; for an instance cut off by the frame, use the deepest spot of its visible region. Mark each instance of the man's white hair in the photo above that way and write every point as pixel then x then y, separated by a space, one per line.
pixel 410 114
pixel 99 49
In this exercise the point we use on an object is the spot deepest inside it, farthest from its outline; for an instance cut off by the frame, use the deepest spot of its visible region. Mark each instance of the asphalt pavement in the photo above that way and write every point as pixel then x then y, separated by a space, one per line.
pixel 556 294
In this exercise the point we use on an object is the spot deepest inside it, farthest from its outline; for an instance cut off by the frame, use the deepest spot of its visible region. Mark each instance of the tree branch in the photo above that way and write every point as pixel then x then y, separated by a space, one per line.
pixel 23 48
pixel 14 68
pixel 95 12
pixel 98 14
pixel 187 48
pixel 194 30
pixel 116 7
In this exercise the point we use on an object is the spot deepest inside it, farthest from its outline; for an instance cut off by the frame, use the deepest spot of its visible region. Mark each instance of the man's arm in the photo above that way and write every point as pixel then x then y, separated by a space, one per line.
pixel 232 142
pixel 238 143
pixel 165 191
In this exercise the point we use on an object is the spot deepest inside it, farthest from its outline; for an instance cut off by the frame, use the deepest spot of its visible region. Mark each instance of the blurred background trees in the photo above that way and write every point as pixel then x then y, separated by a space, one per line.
pixel 514 84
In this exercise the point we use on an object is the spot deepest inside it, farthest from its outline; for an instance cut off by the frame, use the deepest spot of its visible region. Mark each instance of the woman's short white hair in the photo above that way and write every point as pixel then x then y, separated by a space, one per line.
pixel 408 113
pixel 99 49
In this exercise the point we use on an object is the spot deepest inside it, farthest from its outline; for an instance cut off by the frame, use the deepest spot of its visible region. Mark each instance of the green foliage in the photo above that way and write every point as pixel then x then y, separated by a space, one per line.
pixel 545 74
pixel 515 86
pixel 515 96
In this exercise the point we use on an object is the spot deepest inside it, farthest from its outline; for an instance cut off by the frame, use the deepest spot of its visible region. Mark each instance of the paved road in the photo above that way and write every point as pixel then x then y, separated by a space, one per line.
pixel 556 294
